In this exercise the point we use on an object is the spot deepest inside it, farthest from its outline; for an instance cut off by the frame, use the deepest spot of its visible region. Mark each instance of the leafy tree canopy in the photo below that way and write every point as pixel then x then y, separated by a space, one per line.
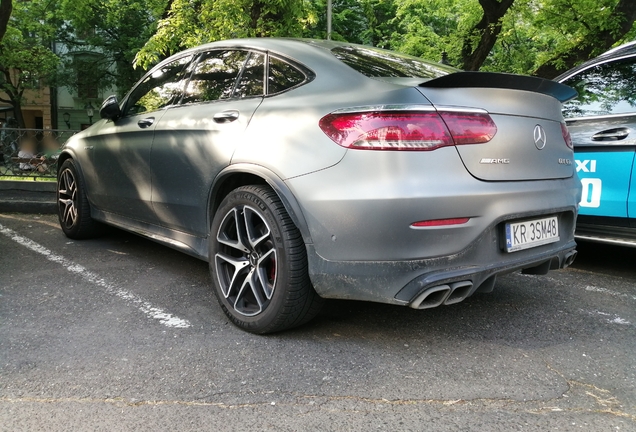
pixel 25 59
pixel 541 37
pixel 104 36
pixel 188 23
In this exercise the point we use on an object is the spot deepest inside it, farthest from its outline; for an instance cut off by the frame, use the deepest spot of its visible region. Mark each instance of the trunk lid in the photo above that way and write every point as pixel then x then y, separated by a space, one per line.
pixel 529 143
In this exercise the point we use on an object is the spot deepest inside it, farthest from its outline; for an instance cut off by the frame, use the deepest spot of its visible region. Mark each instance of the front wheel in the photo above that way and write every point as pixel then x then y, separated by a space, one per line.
pixel 258 263
pixel 73 208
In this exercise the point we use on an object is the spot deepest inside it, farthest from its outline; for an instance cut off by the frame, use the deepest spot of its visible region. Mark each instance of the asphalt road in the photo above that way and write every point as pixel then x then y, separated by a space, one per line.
pixel 120 333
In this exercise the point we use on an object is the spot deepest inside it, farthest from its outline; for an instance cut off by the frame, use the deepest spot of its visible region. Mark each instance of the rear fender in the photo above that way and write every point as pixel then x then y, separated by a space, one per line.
pixel 256 172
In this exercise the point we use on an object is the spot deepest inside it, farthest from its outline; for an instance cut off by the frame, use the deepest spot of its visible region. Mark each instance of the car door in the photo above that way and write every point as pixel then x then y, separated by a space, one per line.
pixel 195 141
pixel 120 150
pixel 602 122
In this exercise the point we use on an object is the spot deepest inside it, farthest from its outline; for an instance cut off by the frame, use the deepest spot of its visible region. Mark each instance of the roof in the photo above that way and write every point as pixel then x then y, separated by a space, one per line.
pixel 623 51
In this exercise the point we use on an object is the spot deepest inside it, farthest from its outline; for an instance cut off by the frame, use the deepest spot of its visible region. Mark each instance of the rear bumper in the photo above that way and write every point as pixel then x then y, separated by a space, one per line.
pixel 434 281
pixel 362 245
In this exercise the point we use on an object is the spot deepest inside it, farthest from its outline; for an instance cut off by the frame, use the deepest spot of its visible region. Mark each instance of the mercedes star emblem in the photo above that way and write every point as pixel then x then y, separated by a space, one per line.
pixel 539 137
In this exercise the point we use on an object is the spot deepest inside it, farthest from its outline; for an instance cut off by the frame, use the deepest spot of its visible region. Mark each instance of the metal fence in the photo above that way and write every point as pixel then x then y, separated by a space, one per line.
pixel 31 153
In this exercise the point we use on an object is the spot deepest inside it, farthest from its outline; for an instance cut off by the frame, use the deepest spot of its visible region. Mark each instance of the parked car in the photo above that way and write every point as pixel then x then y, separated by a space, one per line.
pixel 602 122
pixel 306 169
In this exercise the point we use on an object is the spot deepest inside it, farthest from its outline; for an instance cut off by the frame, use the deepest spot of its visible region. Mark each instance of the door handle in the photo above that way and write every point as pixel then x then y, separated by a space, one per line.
pixel 611 135
pixel 226 116
pixel 144 123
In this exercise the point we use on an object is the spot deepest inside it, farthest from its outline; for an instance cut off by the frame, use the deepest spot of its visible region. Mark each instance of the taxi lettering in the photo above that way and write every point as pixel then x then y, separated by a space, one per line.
pixel 591 196
pixel 583 166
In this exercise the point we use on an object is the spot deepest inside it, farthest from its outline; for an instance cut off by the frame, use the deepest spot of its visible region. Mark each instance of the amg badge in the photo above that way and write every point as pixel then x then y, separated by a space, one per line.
pixel 494 161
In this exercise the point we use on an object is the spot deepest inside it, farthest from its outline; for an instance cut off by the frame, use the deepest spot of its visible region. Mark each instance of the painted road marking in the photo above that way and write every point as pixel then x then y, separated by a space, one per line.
pixel 149 310
pixel 610 292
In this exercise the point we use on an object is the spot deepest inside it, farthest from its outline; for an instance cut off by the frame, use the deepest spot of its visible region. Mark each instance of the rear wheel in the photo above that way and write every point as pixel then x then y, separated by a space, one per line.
pixel 258 263
pixel 73 208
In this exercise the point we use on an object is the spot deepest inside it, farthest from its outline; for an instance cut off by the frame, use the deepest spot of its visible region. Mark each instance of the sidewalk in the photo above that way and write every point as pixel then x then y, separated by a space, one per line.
pixel 27 197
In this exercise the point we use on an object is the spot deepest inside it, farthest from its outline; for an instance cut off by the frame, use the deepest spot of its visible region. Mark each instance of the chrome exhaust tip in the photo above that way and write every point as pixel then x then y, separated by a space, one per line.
pixel 431 298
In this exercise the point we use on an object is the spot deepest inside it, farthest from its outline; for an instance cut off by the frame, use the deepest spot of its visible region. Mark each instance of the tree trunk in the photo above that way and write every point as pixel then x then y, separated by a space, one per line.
pixel 6 6
pixel 14 96
pixel 604 38
pixel 487 30
pixel 17 112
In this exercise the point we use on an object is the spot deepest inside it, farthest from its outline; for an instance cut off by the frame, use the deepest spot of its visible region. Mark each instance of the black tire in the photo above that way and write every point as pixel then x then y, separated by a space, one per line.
pixel 73 208
pixel 258 263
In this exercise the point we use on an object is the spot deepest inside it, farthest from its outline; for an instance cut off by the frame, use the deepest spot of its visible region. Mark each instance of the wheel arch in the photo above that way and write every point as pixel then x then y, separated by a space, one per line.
pixel 62 158
pixel 239 175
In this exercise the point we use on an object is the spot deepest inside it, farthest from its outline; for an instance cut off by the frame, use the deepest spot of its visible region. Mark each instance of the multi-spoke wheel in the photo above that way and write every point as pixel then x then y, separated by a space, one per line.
pixel 73 207
pixel 259 263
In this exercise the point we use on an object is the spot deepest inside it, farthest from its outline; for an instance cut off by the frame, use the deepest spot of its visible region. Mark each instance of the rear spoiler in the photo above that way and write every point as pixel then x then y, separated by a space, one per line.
pixel 558 91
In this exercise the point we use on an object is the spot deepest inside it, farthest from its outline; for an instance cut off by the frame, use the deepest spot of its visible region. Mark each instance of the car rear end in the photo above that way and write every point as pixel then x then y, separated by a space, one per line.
pixel 433 199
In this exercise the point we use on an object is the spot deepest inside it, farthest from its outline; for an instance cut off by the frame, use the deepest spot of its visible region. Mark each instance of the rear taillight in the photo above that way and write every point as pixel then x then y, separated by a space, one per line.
pixel 469 128
pixel 566 136
pixel 411 131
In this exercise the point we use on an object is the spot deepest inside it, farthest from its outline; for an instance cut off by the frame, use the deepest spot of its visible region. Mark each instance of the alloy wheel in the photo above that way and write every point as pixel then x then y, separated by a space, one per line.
pixel 246 264
pixel 67 198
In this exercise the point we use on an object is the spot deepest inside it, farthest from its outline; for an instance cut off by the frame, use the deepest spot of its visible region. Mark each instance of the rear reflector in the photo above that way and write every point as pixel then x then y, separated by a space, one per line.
pixel 410 131
pixel 439 222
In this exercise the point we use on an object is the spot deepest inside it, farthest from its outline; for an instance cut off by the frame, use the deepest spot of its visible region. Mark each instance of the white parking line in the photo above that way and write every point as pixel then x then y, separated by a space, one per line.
pixel 149 310
pixel 610 292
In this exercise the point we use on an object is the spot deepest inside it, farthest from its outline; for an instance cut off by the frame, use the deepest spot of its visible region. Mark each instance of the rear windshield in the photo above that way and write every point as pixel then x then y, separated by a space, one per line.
pixel 379 63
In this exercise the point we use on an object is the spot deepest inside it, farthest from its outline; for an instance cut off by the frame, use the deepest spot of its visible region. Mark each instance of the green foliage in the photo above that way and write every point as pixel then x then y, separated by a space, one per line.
pixel 194 22
pixel 26 60
pixel 113 31
pixel 429 28
pixel 533 31
pixel 348 21
pixel 108 37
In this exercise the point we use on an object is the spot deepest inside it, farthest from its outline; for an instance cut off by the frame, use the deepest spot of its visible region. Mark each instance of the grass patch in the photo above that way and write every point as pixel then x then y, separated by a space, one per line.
pixel 25 178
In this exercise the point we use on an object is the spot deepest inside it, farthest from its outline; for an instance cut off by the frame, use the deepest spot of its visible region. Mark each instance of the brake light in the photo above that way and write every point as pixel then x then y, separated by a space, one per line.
pixel 470 128
pixel 410 131
pixel 566 136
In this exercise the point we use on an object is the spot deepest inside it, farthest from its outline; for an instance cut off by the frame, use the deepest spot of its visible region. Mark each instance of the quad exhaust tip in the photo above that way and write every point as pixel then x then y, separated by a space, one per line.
pixel 569 258
pixel 442 294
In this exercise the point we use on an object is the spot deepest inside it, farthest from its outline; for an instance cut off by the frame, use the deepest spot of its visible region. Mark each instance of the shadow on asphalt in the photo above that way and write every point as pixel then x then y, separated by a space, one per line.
pixel 522 311
pixel 606 259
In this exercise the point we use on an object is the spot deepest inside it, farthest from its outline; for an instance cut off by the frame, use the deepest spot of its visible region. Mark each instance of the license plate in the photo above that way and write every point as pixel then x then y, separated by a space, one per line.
pixel 532 233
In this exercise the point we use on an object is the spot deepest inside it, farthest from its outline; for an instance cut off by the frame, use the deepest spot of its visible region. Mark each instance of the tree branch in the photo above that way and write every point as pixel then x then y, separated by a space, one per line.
pixel 487 29
pixel 625 10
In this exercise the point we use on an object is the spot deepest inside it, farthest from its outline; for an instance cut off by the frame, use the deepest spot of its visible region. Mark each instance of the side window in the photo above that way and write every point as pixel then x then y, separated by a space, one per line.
pixel 252 82
pixel 609 88
pixel 161 88
pixel 282 76
pixel 215 76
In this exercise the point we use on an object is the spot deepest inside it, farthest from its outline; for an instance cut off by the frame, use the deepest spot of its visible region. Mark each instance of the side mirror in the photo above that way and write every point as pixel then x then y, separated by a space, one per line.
pixel 110 108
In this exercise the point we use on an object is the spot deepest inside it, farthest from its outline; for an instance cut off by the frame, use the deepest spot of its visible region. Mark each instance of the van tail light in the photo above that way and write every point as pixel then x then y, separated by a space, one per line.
pixel 409 131
pixel 566 136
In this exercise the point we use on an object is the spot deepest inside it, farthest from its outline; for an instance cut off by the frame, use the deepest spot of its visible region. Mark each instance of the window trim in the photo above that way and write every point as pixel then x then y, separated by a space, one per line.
pixel 239 77
pixel 124 103
pixel 308 73
pixel 199 55
pixel 586 69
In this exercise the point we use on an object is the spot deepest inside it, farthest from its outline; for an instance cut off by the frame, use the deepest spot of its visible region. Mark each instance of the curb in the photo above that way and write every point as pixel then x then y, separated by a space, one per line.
pixel 31 186
pixel 28 197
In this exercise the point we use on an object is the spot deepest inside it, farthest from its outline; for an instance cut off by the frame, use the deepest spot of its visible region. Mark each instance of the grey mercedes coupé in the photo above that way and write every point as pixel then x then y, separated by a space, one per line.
pixel 306 169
